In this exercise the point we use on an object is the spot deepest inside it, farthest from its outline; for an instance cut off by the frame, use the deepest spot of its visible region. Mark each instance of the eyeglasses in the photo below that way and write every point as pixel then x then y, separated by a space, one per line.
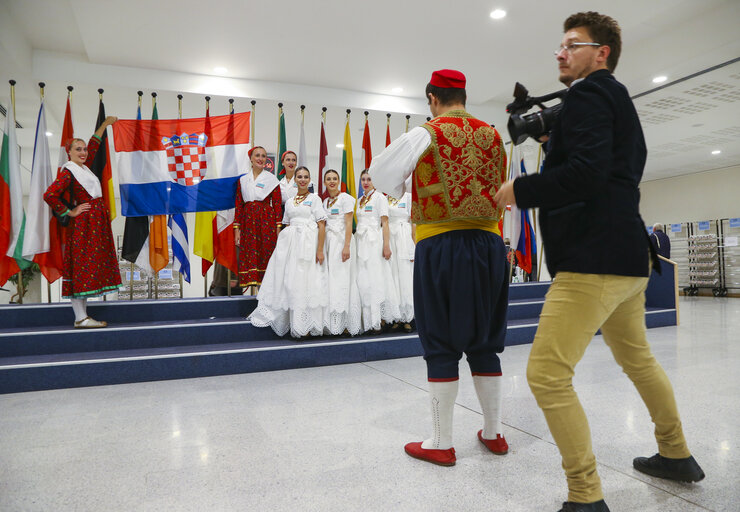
pixel 571 47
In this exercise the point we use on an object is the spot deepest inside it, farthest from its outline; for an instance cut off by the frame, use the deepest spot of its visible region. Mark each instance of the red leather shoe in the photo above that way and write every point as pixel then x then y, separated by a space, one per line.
pixel 499 446
pixel 438 457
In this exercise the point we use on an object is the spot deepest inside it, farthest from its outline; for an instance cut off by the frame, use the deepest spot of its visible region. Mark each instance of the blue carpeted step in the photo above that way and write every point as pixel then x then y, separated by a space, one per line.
pixel 535 290
pixel 524 308
pixel 60 314
pixel 94 369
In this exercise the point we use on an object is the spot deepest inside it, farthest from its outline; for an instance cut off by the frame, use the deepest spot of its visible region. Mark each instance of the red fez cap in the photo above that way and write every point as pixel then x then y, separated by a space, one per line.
pixel 448 79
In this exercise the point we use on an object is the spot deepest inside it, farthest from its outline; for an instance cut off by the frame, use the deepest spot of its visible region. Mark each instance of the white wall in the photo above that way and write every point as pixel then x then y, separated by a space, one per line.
pixel 701 196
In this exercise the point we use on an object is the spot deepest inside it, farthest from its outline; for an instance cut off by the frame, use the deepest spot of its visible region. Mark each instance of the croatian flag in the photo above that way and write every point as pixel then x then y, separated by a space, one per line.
pixel 168 166
pixel 522 234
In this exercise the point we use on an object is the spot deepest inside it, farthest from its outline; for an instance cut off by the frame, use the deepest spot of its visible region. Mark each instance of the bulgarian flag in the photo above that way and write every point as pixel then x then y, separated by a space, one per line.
pixel 41 236
pixel 12 217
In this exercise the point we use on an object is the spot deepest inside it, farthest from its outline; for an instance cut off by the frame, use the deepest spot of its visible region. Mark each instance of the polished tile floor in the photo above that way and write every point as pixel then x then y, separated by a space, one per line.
pixel 331 438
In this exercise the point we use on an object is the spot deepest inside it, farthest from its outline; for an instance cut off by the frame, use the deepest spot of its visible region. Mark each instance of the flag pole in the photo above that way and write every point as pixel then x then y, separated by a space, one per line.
pixel 205 276
pixel 48 283
pixel 407 122
pixel 228 270
pixel 131 271
pixel 100 97
pixel 20 272
pixel 156 273
pixel 252 117
pixel 179 116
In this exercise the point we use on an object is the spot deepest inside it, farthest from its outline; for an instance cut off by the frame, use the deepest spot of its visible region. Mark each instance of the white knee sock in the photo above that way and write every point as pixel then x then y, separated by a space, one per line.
pixel 442 395
pixel 490 396
pixel 79 306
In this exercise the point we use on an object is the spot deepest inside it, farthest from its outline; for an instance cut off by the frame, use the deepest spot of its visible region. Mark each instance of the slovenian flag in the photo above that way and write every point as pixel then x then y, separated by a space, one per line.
pixel 168 166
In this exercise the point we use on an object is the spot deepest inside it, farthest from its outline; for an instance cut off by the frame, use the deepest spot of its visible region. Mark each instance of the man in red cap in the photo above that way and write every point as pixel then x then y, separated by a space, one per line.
pixel 456 163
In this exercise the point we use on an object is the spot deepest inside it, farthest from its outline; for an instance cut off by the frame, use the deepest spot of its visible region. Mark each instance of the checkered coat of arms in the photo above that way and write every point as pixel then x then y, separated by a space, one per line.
pixel 186 157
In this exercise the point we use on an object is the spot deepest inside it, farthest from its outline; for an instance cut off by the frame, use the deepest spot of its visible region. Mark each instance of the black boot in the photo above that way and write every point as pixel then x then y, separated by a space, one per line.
pixel 680 470
pixel 596 506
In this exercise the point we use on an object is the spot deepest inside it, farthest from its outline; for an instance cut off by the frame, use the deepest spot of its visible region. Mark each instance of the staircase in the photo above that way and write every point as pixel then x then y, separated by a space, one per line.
pixel 153 340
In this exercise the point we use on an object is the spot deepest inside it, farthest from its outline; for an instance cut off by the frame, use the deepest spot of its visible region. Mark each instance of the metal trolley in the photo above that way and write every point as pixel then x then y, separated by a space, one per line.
pixel 729 255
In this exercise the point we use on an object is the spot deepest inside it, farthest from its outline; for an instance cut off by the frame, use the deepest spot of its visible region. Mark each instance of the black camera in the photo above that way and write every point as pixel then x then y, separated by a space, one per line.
pixel 533 125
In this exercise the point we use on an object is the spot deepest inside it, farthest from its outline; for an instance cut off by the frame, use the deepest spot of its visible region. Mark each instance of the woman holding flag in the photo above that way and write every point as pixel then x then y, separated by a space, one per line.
pixel 378 295
pixel 293 295
pixel 344 311
pixel 257 218
pixel 90 263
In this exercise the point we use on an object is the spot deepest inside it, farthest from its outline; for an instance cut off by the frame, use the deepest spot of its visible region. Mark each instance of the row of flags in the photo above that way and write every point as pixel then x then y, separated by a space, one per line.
pixel 153 191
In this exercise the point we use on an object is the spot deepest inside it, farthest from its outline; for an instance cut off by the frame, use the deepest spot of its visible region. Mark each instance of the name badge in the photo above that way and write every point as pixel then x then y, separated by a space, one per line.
pixel 295 185
pixel 335 211
pixel 369 208
pixel 260 185
pixel 402 205
pixel 307 203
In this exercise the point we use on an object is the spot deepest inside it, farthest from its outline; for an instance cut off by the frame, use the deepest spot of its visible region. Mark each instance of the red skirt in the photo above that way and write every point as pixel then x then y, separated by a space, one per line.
pixel 90 264
pixel 258 236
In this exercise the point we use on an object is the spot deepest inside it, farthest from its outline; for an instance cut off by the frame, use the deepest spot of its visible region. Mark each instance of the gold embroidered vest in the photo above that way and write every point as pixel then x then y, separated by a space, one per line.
pixel 458 175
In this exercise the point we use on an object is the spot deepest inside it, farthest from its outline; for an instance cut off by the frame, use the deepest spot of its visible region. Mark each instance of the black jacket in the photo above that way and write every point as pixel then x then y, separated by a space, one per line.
pixel 661 244
pixel 588 189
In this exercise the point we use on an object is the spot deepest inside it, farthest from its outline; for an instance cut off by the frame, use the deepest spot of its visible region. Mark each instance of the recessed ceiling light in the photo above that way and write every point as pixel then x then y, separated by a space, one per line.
pixel 340 146
pixel 498 14
pixel 716 152
pixel 660 79
pixel 49 134
pixel 220 70
pixel 397 90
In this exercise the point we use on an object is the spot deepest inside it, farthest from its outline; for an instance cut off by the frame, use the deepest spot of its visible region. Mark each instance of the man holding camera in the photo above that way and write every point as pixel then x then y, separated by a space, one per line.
pixel 460 272
pixel 599 253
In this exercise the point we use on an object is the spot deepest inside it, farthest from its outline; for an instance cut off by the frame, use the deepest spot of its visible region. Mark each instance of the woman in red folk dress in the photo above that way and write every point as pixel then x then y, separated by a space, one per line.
pixel 257 218
pixel 90 264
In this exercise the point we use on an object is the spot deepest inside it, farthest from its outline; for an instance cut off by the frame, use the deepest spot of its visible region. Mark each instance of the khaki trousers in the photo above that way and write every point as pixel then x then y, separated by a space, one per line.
pixel 576 306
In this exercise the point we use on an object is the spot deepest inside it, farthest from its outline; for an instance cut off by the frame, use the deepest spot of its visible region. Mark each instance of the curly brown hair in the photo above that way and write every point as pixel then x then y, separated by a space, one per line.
pixel 602 29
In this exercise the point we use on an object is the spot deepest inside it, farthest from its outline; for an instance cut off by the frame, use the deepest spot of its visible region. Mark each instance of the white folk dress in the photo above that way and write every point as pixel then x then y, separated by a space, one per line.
pixel 378 296
pixel 344 310
pixel 402 254
pixel 294 293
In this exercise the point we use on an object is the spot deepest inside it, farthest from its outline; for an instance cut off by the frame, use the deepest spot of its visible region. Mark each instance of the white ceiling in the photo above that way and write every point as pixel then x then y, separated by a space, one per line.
pixel 350 54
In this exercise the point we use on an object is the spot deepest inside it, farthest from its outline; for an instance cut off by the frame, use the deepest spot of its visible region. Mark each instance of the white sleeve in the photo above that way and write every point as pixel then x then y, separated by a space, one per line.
pixel 390 169
pixel 348 204
pixel 382 205
pixel 286 219
pixel 283 190
pixel 317 208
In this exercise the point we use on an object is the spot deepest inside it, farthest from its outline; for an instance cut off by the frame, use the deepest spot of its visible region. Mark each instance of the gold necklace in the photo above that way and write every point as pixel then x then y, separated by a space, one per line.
pixel 299 198
pixel 366 198
pixel 392 201
pixel 332 201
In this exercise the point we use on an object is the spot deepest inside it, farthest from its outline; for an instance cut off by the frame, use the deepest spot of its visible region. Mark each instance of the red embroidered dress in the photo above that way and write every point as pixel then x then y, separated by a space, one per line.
pixel 258 222
pixel 90 264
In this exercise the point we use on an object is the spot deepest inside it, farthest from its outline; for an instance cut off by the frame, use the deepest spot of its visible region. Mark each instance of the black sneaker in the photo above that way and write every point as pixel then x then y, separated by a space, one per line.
pixel 596 506
pixel 680 470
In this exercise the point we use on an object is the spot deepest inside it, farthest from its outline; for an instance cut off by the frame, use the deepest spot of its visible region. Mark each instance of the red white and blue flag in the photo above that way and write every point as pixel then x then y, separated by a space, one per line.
pixel 523 240
pixel 169 166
